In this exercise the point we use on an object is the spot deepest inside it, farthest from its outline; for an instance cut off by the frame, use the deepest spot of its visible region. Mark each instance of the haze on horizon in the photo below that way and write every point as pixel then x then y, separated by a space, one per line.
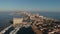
pixel 34 5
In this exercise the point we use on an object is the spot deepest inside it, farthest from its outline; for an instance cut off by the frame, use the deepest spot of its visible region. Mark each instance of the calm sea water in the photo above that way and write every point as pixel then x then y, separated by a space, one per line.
pixel 5 17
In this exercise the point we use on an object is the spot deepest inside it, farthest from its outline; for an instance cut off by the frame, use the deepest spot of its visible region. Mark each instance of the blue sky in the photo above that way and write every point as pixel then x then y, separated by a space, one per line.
pixel 40 5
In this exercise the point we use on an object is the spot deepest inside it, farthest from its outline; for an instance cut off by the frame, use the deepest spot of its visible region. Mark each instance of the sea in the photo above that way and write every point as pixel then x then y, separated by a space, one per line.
pixel 5 17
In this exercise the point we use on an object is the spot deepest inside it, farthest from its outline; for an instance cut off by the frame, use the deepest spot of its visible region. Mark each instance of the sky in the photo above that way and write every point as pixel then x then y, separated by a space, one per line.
pixel 34 5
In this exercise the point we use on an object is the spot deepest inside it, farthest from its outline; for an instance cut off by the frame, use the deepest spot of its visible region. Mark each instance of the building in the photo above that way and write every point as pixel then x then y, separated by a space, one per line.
pixel 17 21
pixel 40 20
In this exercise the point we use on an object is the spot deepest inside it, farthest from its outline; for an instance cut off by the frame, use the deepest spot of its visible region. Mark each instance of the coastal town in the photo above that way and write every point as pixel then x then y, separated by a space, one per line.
pixel 39 24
